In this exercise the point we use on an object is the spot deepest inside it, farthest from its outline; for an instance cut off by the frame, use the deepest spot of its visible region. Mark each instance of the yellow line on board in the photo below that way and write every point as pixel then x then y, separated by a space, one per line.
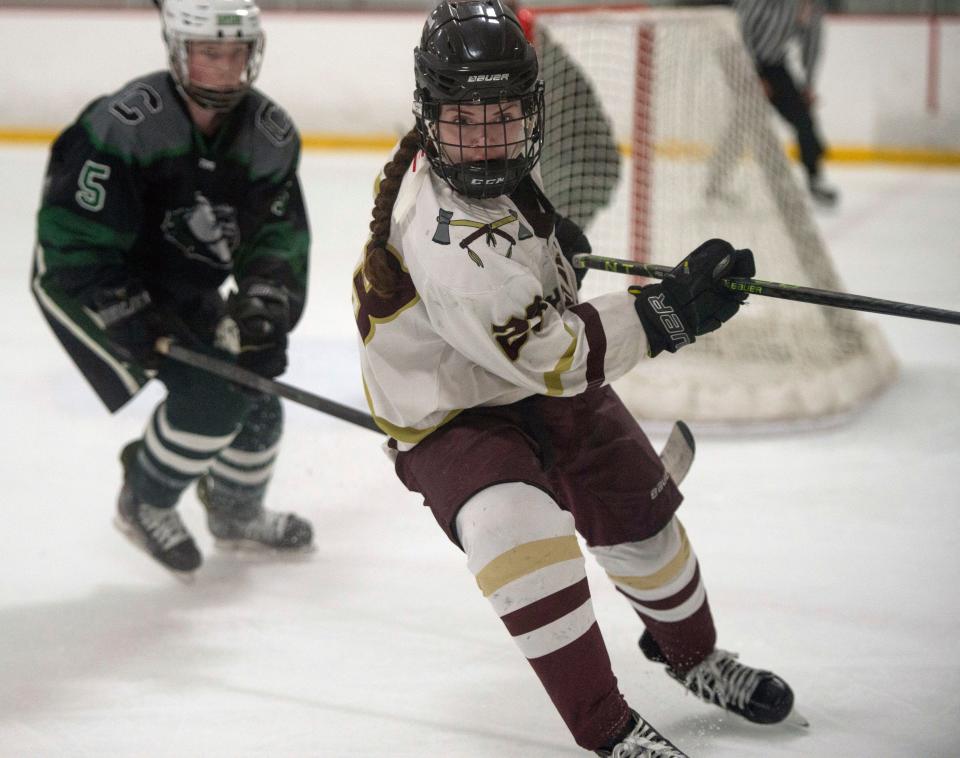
pixel 367 142
pixel 372 143
pixel 850 154
pixel 675 150
pixel 696 151
pixel 26 135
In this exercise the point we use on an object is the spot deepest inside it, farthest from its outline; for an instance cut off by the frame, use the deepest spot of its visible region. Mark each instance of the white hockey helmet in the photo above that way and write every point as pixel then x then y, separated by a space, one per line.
pixel 189 21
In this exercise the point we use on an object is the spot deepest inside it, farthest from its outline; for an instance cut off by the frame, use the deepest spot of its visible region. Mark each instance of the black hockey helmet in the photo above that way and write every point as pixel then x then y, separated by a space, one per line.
pixel 474 58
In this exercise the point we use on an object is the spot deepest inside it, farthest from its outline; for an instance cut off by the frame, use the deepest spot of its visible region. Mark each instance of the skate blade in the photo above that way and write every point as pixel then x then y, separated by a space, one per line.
pixel 257 550
pixel 795 718
pixel 187 577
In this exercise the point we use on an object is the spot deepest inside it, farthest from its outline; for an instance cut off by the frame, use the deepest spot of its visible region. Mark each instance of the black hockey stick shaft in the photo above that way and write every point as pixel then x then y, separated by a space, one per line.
pixel 243 377
pixel 677 454
pixel 782 291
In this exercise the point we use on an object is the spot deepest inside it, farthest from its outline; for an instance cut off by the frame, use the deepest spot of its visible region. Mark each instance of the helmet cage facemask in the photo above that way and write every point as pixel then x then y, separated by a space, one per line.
pixel 498 171
pixel 210 22
pixel 213 98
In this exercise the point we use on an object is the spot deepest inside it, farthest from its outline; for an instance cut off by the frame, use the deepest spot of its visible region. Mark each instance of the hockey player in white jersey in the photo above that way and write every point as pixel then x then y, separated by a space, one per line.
pixel 491 380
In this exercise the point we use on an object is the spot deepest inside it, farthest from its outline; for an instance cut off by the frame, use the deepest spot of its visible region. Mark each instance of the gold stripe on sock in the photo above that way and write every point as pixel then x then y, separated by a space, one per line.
pixel 665 574
pixel 525 559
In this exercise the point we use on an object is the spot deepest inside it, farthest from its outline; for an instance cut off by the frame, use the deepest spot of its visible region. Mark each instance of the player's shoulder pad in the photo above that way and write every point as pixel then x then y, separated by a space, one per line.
pixel 270 140
pixel 140 122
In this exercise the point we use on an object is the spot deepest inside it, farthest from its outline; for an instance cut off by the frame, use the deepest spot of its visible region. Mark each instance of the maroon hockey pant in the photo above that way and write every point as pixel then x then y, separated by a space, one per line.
pixel 591 458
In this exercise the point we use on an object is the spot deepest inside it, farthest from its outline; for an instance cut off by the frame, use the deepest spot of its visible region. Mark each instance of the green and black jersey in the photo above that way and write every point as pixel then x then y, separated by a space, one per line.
pixel 134 193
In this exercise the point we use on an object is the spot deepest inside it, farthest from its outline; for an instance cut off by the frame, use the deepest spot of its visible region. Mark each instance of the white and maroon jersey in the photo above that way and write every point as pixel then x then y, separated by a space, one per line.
pixel 486 314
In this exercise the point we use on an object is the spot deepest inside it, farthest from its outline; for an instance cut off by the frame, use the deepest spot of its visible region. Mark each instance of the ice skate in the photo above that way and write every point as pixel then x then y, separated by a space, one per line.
pixel 157 531
pixel 643 741
pixel 757 695
pixel 822 194
pixel 251 527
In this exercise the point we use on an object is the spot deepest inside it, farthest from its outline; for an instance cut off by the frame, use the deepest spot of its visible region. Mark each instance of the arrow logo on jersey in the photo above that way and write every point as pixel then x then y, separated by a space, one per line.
pixel 490 230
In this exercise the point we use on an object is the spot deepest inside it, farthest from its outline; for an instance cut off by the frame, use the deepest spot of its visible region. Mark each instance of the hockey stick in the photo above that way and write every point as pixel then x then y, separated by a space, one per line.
pixel 782 291
pixel 677 453
pixel 167 347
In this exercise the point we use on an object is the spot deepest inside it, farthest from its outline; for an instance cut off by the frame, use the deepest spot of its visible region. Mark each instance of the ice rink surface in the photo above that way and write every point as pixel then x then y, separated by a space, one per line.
pixel 831 556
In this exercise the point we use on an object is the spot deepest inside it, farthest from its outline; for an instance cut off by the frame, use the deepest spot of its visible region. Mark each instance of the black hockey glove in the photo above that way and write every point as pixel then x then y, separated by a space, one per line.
pixel 133 322
pixel 261 310
pixel 130 320
pixel 572 240
pixel 689 301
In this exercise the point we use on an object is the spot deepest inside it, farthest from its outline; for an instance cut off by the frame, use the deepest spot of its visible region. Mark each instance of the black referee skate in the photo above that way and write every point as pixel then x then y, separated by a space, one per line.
pixel 759 696
pixel 236 524
pixel 158 531
pixel 822 194
pixel 643 741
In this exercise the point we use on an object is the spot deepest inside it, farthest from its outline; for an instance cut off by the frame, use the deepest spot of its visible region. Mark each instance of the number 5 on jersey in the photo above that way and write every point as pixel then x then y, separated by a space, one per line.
pixel 92 195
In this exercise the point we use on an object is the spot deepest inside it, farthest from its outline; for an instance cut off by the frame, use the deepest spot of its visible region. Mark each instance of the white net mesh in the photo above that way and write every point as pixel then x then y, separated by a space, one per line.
pixel 658 137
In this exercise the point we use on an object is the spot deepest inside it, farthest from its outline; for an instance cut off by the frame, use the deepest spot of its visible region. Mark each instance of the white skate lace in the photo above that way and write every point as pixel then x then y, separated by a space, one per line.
pixel 645 742
pixel 720 679
pixel 163 525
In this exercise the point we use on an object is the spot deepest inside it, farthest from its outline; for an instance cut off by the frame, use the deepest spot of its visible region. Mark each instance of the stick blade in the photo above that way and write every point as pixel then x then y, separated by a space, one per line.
pixel 795 718
pixel 678 452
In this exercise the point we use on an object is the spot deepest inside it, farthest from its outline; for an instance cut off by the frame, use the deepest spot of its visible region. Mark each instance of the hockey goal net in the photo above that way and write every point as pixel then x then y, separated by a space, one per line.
pixel 659 137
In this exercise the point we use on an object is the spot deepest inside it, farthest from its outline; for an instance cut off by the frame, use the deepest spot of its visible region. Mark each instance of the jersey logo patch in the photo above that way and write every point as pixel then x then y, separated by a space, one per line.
pixel 204 232
pixel 442 235
pixel 489 231
pixel 274 122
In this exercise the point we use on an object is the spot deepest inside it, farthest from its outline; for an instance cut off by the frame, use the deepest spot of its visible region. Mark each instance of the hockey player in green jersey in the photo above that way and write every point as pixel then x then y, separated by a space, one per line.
pixel 155 196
